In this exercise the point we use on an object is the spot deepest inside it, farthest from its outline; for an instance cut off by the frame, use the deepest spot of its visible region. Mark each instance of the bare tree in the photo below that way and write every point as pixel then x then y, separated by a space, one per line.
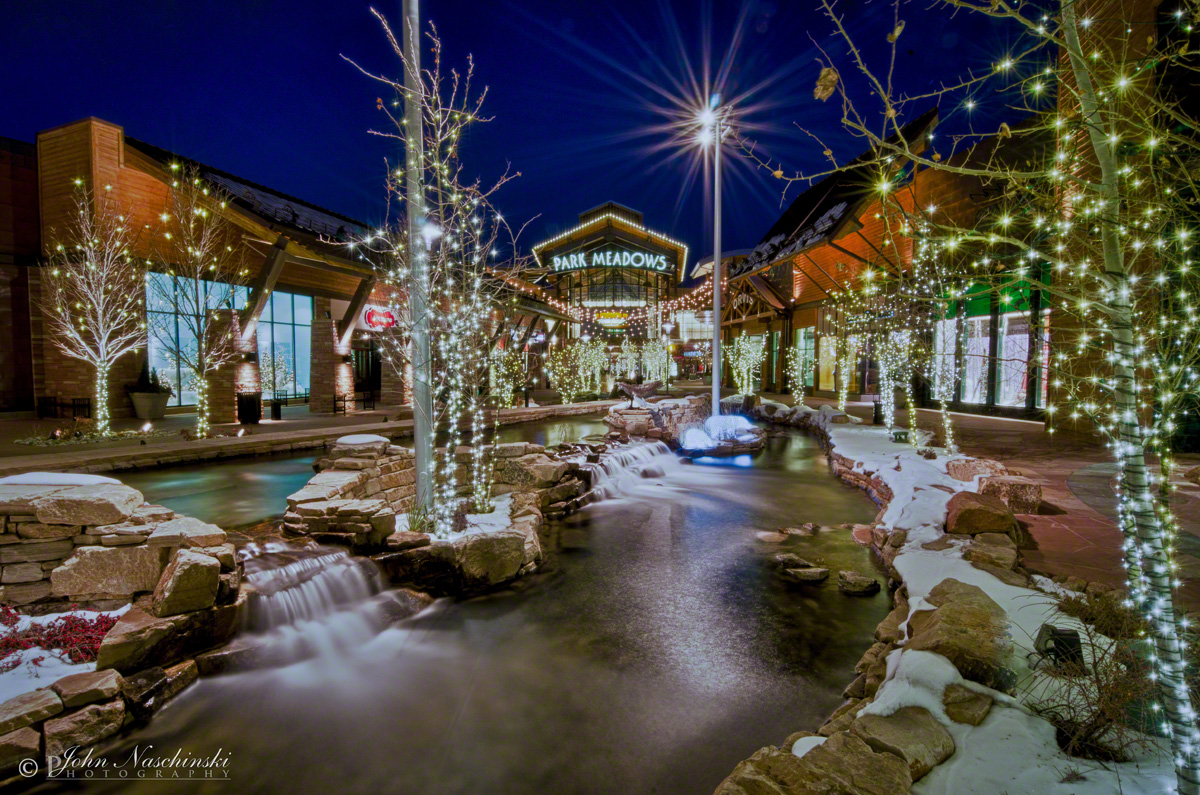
pixel 93 296
pixel 469 283
pixel 194 294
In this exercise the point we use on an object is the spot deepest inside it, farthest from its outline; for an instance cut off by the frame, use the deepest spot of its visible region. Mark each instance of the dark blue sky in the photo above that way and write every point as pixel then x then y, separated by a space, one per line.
pixel 257 88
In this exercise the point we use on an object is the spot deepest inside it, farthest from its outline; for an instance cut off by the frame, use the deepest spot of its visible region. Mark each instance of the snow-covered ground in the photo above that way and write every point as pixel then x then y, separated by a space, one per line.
pixel 29 675
pixel 499 519
pixel 1013 750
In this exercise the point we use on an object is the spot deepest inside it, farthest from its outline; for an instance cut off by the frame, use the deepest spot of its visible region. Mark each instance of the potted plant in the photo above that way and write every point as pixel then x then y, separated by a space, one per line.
pixel 150 394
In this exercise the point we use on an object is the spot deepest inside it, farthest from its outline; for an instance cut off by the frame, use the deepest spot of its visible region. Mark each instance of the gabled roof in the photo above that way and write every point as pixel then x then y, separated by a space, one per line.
pixel 819 214
pixel 281 209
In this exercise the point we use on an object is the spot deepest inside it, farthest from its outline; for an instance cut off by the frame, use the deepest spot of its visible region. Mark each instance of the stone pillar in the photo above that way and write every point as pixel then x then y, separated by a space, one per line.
pixel 239 375
pixel 330 374
pixel 392 384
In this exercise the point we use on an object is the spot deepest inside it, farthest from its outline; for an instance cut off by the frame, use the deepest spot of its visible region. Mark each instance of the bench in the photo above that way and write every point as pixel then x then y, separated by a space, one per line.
pixel 286 398
pixel 340 402
pixel 51 407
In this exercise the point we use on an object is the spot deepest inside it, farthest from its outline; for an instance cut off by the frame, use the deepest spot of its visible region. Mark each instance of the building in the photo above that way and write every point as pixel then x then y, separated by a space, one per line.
pixel 612 273
pixel 832 233
pixel 307 316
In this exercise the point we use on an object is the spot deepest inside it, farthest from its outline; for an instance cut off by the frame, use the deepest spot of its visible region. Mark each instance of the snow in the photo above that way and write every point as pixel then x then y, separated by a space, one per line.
pixel 499 519
pixel 28 676
pixel 985 755
pixel 696 439
pixel 726 426
pixel 363 438
pixel 56 479
pixel 806 744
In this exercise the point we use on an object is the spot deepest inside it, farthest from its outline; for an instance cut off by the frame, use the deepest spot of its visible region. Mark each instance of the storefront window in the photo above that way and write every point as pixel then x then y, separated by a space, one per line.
pixel 284 336
pixel 827 364
pixel 807 339
pixel 976 347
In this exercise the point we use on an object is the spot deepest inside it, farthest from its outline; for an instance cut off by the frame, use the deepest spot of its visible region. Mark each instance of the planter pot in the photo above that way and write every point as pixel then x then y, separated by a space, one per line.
pixel 150 405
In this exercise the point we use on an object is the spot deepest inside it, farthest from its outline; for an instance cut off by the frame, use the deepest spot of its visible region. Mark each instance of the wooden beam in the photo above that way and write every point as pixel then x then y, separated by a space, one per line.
pixel 529 331
pixel 814 282
pixel 264 284
pixel 872 246
pixel 357 303
pixel 826 275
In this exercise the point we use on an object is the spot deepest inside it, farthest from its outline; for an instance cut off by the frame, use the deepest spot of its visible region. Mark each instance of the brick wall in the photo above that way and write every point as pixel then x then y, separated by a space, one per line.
pixel 239 375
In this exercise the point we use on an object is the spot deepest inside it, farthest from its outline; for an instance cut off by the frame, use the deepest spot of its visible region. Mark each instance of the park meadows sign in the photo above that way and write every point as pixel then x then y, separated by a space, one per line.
pixel 610 258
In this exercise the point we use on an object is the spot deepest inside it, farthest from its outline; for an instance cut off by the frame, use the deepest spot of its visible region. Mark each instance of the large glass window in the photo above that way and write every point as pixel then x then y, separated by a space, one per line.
pixel 976 347
pixel 806 338
pixel 284 335
pixel 284 342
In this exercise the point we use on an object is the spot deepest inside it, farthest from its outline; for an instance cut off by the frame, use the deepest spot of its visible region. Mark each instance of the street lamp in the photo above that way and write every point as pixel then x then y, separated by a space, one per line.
pixel 711 130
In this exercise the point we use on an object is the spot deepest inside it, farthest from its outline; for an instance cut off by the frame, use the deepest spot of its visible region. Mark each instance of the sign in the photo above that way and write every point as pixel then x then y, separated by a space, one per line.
pixel 611 258
pixel 610 318
pixel 377 318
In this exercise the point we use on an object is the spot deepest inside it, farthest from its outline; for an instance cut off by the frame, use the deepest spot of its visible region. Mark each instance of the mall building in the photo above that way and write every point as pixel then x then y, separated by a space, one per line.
pixel 309 304
pixel 612 273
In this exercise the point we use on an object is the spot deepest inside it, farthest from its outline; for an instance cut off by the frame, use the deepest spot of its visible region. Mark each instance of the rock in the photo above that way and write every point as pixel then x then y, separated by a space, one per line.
pixel 21 744
pixel 79 689
pixel 534 470
pixel 970 513
pixel 888 630
pixel 968 629
pixel 25 593
pixel 225 554
pixel 104 503
pixel 854 584
pixel 991 555
pixel 142 690
pixel 1007 576
pixel 806 529
pixel 110 570
pixel 809 576
pixel 490 558
pixel 402 539
pixel 910 733
pixel 178 678
pixel 18 499
pixel 967 468
pixel 46 532
pixel 188 532
pixel 842 765
pixel 843 716
pixel 140 639
pixel 151 514
pixel 766 536
pixel 1020 494
pixel 28 708
pixel 1193 475
pixel 22 572
pixel 86 727
pixel 36 551
pixel 789 560
pixel 966 706
pixel 189 583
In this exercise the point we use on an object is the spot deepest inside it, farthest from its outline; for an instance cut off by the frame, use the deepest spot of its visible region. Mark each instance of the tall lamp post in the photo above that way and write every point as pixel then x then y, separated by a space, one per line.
pixel 711 125
pixel 418 253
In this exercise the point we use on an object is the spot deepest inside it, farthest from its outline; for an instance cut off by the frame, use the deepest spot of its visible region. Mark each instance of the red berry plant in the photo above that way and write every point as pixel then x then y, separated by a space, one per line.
pixel 77 637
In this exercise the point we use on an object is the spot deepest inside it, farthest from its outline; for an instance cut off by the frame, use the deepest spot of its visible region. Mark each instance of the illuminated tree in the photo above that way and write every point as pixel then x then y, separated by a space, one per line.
pixel 93 292
pixel 468 286
pixel 510 372
pixel 800 364
pixel 628 357
pixel 1091 165
pixel 593 358
pixel 566 370
pixel 746 355
pixel 656 359
pixel 205 262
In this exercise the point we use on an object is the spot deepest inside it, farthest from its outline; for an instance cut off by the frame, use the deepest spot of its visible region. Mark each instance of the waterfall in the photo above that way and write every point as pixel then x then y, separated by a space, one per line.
pixel 313 602
pixel 620 468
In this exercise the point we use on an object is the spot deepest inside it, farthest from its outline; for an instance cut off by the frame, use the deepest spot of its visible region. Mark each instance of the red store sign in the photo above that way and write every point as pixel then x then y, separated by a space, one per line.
pixel 377 318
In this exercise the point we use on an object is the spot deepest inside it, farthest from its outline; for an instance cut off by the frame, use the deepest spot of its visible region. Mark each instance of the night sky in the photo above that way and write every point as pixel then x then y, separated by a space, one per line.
pixel 259 89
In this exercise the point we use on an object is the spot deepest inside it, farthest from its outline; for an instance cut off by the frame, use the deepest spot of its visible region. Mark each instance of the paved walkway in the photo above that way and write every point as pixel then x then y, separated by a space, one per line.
pixel 1076 531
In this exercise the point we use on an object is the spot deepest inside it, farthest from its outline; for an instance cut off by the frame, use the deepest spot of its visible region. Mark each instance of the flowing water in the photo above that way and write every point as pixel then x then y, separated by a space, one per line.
pixel 656 649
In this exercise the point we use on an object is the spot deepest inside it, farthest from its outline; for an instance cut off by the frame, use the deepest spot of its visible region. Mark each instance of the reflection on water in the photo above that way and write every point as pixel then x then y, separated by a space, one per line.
pixel 656 651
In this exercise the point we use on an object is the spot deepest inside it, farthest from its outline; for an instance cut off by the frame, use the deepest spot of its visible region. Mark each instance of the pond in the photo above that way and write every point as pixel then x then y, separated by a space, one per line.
pixel 657 648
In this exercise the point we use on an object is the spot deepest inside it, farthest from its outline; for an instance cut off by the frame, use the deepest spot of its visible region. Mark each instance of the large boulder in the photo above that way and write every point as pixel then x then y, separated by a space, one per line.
pixel 490 558
pixel 140 639
pixel 854 584
pixel 991 552
pixel 966 706
pixel 115 571
pixel 85 727
pixel 1020 494
pixel 534 470
pixel 36 551
pixel 968 629
pixel 186 531
pixel 970 513
pixel 910 733
pixel 106 503
pixel 79 689
pixel 18 499
pixel 189 583
pixel 28 708
pixel 968 468
pixel 842 765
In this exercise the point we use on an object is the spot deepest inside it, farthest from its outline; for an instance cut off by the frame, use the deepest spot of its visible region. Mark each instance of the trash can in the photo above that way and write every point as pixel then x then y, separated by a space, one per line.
pixel 249 408
pixel 276 409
